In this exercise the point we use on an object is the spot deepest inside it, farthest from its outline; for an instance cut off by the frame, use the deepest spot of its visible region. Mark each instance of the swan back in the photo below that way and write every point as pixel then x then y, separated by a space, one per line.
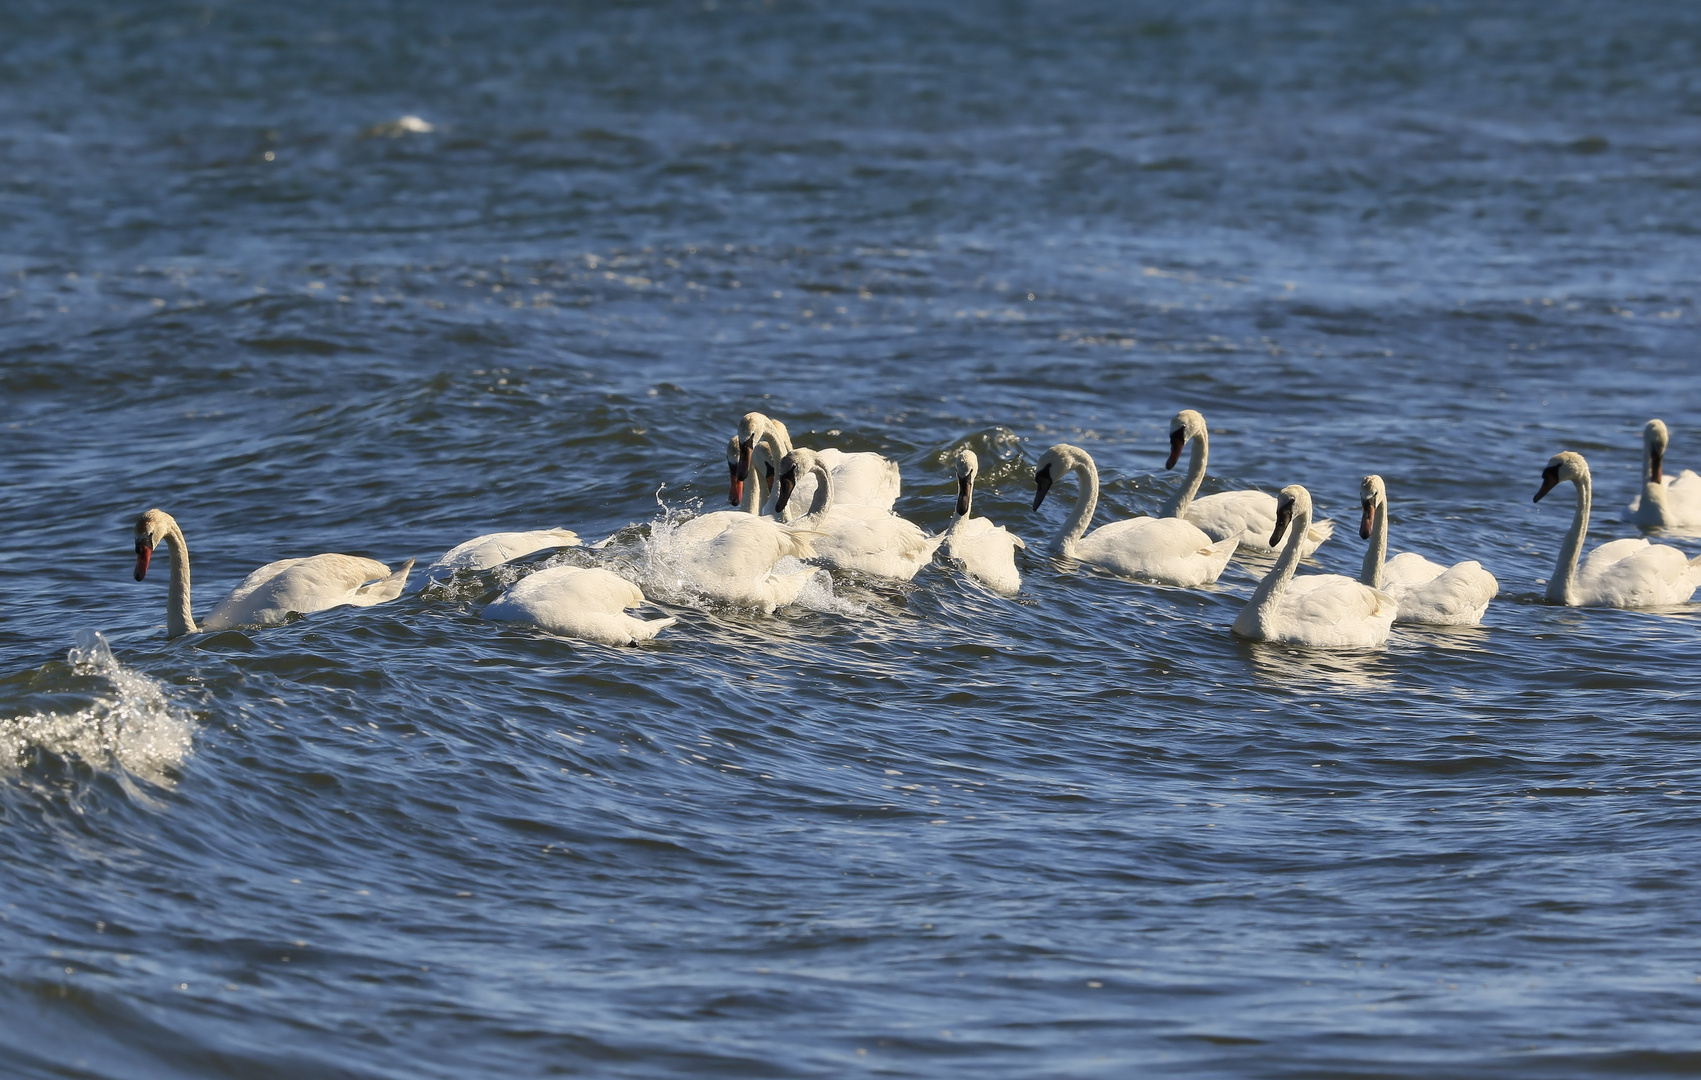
pixel 588 603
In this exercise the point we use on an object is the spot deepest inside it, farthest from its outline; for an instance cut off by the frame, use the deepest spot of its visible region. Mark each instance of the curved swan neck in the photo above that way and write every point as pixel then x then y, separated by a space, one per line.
pixel 178 619
pixel 1377 554
pixel 751 501
pixel 775 448
pixel 1183 498
pixel 823 500
pixel 1086 501
pixel 1565 572
pixel 1268 596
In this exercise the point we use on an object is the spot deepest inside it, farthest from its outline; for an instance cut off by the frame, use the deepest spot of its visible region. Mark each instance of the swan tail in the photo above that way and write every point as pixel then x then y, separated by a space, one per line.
pixel 389 588
pixel 1321 530
pixel 646 629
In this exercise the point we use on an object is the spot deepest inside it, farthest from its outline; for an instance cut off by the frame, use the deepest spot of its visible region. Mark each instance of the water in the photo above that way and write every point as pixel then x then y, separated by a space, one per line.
pixel 910 830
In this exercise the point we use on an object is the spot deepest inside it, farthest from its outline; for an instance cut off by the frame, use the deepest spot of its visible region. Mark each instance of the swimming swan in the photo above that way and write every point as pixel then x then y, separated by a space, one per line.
pixel 494 549
pixel 579 602
pixel 269 594
pixel 1672 502
pixel 859 479
pixel 1324 610
pixel 1427 592
pixel 862 538
pixel 1246 515
pixel 1166 550
pixel 1621 573
pixel 987 551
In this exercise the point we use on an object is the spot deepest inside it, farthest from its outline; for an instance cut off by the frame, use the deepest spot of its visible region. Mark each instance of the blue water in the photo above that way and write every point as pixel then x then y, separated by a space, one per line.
pixel 905 830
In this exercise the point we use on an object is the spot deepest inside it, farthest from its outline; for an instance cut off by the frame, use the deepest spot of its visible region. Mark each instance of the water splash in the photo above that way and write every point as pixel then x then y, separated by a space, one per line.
pixel 137 729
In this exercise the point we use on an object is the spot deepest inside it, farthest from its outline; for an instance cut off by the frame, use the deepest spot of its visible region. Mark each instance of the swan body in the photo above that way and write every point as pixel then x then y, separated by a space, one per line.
pixel 733 556
pixel 1167 550
pixel 1629 573
pixel 1668 502
pixel 859 479
pixel 267 596
pixel 1328 611
pixel 863 538
pixel 987 551
pixel 578 602
pixel 1425 591
pixel 1247 515
pixel 494 549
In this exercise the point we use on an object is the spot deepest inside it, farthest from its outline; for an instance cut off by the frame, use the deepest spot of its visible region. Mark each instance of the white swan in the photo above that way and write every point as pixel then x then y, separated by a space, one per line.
pixel 579 602
pixel 862 538
pixel 859 479
pixel 1167 550
pixel 987 551
pixel 1621 573
pixel 1427 592
pixel 494 549
pixel 1670 502
pixel 268 595
pixel 1247 515
pixel 1325 610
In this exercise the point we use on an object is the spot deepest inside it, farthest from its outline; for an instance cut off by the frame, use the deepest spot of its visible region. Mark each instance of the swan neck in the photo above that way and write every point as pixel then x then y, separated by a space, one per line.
pixel 1377 554
pixel 1183 498
pixel 178 620
pixel 823 500
pixel 1268 596
pixel 751 501
pixel 1559 590
pixel 1086 501
pixel 776 449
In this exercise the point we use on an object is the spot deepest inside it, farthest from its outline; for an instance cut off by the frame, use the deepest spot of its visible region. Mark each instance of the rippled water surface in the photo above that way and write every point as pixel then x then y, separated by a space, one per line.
pixel 907 830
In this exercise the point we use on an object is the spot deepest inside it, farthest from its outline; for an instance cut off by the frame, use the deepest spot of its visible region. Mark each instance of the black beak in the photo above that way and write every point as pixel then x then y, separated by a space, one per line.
pixel 1654 465
pixel 1177 440
pixel 962 496
pixel 1368 520
pixel 744 449
pixel 144 553
pixel 1284 518
pixel 788 482
pixel 1550 480
pixel 1042 484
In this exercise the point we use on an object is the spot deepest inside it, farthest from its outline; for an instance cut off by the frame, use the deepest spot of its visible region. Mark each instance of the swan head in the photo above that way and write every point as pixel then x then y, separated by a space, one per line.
pixel 1053 463
pixel 965 466
pixel 151 528
pixel 751 427
pixel 1294 501
pixel 1186 426
pixel 1654 439
pixel 1561 467
pixel 799 461
pixel 1372 493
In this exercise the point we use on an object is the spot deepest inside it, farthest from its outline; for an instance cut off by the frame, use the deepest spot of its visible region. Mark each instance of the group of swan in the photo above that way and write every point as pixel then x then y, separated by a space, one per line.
pixel 796 504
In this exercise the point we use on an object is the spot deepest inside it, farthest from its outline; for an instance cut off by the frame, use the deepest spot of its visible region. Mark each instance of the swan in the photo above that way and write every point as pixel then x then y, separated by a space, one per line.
pixel 1246 515
pixel 733 556
pixel 1326 610
pixel 579 602
pixel 1628 573
pixel 859 479
pixel 1672 502
pixel 987 551
pixel 269 594
pixel 862 538
pixel 1167 550
pixel 768 444
pixel 1426 592
pixel 494 549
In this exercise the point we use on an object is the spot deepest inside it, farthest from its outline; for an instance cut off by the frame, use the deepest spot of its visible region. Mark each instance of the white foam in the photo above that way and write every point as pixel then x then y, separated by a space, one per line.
pixel 138 730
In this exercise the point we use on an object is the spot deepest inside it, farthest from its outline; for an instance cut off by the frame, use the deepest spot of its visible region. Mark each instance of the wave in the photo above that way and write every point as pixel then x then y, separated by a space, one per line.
pixel 136 729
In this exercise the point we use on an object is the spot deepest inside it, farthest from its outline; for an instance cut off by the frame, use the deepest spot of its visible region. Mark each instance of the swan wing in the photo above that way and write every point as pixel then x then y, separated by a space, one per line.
pixel 579 602
pixel 271 593
pixel 1172 551
pixel 987 552
pixel 1633 573
pixel 1249 516
pixel 862 479
pixel 1458 596
pixel 1333 610
pixel 494 549
pixel 1408 568
pixel 873 542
